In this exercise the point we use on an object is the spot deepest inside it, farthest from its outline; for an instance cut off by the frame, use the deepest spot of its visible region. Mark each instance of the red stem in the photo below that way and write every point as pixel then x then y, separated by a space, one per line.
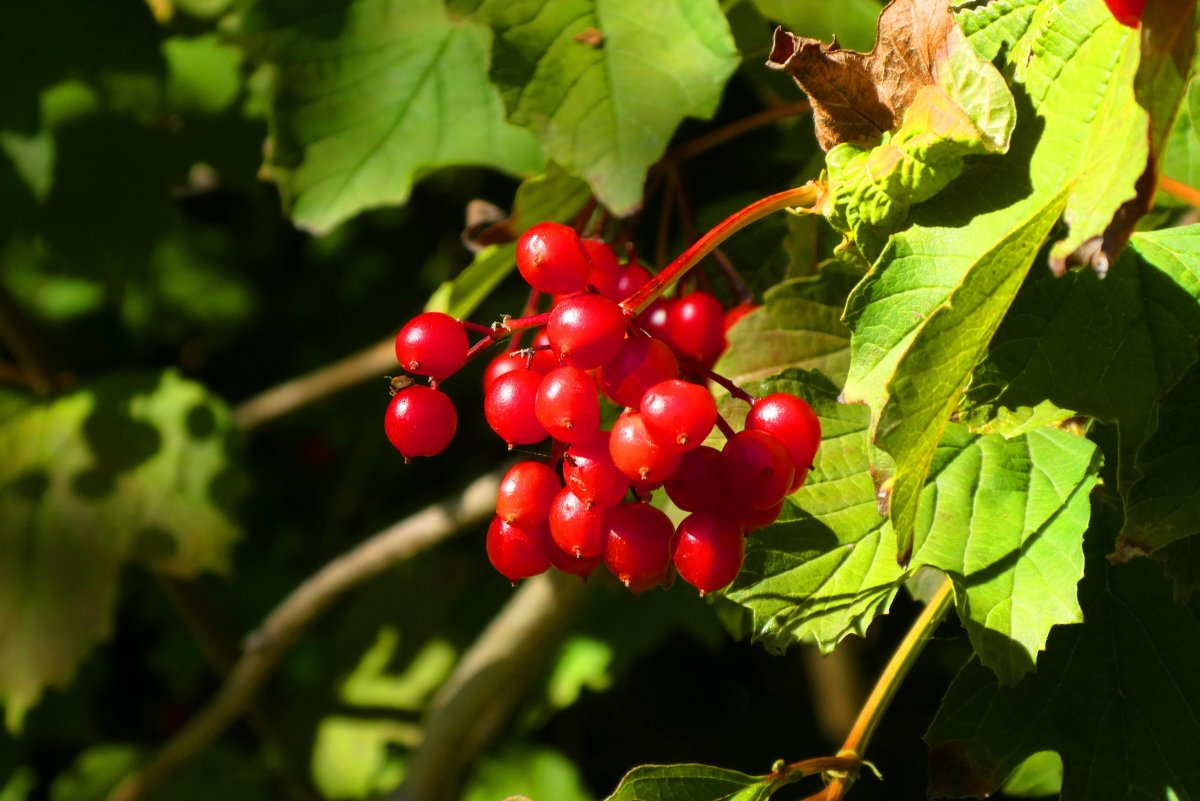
pixel 806 195
pixel 720 380
pixel 503 330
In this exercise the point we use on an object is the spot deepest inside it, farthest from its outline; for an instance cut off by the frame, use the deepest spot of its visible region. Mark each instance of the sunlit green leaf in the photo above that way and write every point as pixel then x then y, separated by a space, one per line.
pixel 689 783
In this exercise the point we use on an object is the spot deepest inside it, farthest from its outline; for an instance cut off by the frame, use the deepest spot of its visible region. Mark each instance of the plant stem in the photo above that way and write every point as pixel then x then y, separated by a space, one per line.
pixel 735 129
pixel 263 649
pixel 1179 190
pixel 889 682
pixel 727 384
pixel 806 195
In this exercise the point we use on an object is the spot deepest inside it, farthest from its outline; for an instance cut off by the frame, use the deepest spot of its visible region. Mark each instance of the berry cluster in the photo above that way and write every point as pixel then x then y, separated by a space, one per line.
pixel 655 366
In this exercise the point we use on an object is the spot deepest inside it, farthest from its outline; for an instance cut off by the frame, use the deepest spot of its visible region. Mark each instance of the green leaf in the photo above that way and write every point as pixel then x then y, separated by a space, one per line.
pixel 1038 776
pixel 1002 517
pixel 371 94
pixel 1115 697
pixel 922 318
pixel 1164 504
pixel 529 771
pixel 1181 564
pixel 1108 348
pixel 689 783
pixel 1181 156
pixel 127 468
pixel 799 326
pixel 204 74
pixel 851 21
pixel 587 101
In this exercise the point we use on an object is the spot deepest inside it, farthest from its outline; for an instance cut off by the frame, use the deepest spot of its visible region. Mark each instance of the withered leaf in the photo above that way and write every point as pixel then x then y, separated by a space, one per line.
pixel 856 97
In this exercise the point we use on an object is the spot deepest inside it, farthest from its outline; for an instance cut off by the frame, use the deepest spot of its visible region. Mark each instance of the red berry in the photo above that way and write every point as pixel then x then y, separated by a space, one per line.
pixel 517 552
pixel 1127 12
pixel 636 454
pixel 791 421
pixel 567 405
pixel 526 492
pixel 638 548
pixel 632 278
pixel 757 468
pixel 589 471
pixel 752 520
pixel 509 406
pixel 656 321
pixel 606 272
pixel 698 485
pixel 569 562
pixel 551 259
pixel 586 330
pixel 678 415
pixel 432 344
pixel 641 363
pixel 697 325
pixel 576 526
pixel 708 550
pixel 420 421
pixel 544 357
pixel 502 363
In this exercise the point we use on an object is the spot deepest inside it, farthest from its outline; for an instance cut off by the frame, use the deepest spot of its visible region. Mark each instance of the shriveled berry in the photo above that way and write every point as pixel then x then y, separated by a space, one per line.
pixel 509 405
pixel 697 327
pixel 638 547
pixel 637 454
pixel 757 468
pixel 567 405
pixel 679 415
pixel 575 526
pixel 515 551
pixel 432 344
pixel 698 484
pixel 641 363
pixel 526 492
pixel 589 471
pixel 793 422
pixel 586 330
pixel 708 550
pixel 420 421
pixel 551 258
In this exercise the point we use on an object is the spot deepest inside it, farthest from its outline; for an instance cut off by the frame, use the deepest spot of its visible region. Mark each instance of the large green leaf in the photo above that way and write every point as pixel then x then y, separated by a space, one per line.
pixel 1108 348
pixel 1181 158
pixel 923 317
pixel 1002 517
pixel 369 95
pixel 1115 696
pixel 689 783
pixel 851 21
pixel 127 468
pixel 588 96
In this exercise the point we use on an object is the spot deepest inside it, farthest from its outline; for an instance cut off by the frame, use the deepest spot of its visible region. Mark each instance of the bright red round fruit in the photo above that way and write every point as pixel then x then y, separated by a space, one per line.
pixel 679 415
pixel 509 407
pixel 758 469
pixel 605 275
pixel 526 492
pixel 575 526
pixel 517 552
pixel 708 550
pixel 420 421
pixel 551 258
pixel 638 547
pixel 697 325
pixel 432 344
pixel 641 363
pixel 567 405
pixel 655 321
pixel 569 562
pixel 1127 12
pixel 632 278
pixel 589 471
pixel 586 330
pixel 637 454
pixel 698 484
pixel 791 421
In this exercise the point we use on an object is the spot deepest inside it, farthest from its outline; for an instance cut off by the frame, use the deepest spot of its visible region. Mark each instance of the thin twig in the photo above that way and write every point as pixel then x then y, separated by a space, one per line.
pixel 1179 190
pixel 266 647
pixel 38 364
pixel 489 681
pixel 720 136
pixel 279 400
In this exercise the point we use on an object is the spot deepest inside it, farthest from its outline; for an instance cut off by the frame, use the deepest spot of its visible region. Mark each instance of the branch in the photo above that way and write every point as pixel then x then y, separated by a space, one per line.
pixel 277 401
pixel 264 648
pixel 1179 190
pixel 489 681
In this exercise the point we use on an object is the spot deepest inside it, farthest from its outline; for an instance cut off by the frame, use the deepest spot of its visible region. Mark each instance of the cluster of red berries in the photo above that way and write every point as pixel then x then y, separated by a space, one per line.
pixel 590 347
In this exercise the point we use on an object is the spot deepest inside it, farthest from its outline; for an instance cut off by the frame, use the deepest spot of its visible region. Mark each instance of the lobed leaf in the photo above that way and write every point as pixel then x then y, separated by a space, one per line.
pixel 689 783
pixel 1114 696
pixel 371 94
pixel 128 468
pixel 576 73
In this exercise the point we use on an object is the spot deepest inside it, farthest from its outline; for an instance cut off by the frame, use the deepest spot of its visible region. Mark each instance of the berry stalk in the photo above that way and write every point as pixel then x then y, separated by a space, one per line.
pixel 806 195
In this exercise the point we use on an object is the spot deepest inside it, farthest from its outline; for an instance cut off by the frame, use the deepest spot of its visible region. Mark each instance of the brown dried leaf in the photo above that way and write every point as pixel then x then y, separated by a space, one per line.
pixel 856 97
